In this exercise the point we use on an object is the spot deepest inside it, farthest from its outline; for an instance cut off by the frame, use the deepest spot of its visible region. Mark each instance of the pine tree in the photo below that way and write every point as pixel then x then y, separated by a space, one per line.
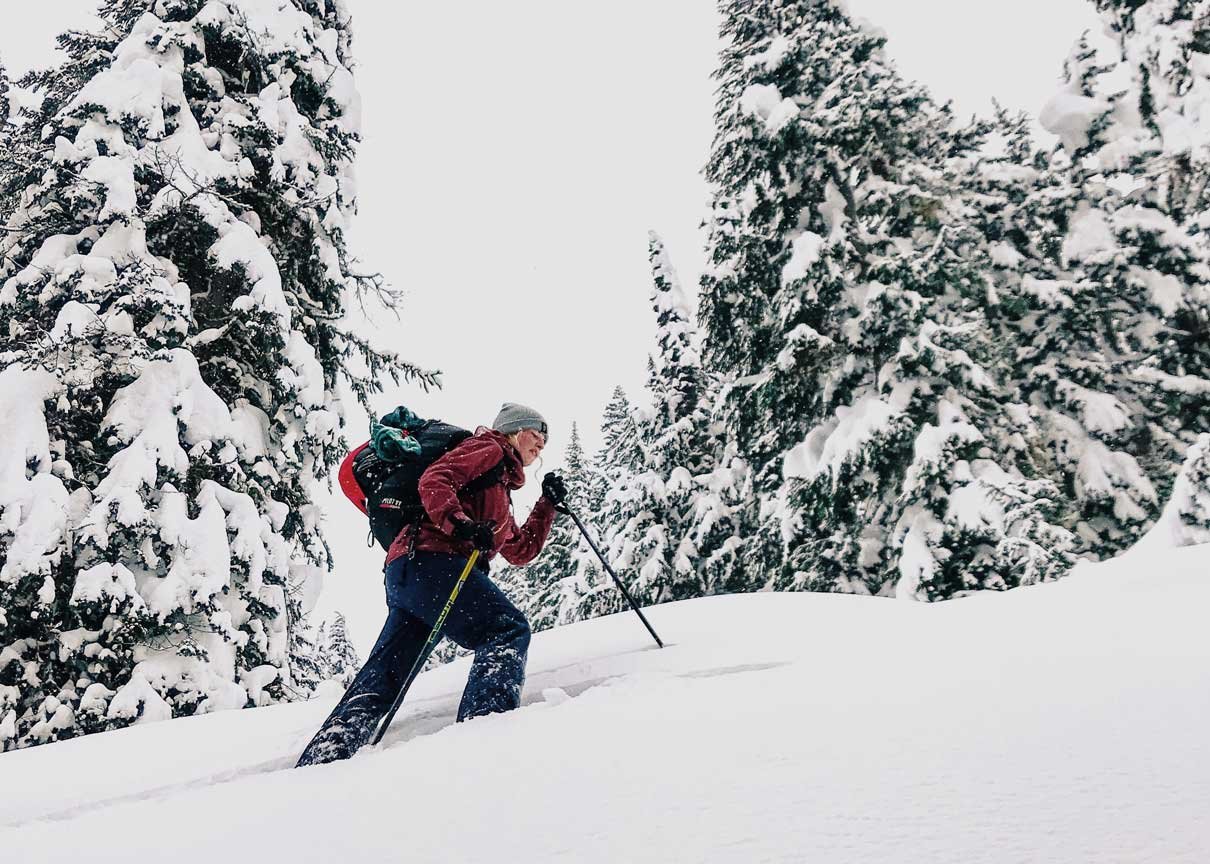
pixel 340 658
pixel 173 289
pixel 1186 517
pixel 7 167
pixel 843 315
pixel 1108 266
pixel 653 544
pixel 608 503
pixel 308 665
pixel 675 379
pixel 5 103
pixel 29 150
pixel 551 579
pixel 722 516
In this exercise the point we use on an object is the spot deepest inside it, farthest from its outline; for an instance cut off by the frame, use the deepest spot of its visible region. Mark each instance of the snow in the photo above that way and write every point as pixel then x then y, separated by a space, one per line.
pixel 764 101
pixel 917 564
pixel 106 581
pixel 1089 235
pixel 34 507
pixel 828 445
pixel 1114 474
pixel 239 244
pixel 1190 499
pixel 1070 113
pixel 168 403
pixel 117 176
pixel 1056 723
pixel 132 90
pixel 139 701
pixel 1004 255
pixel 1069 116
pixel 832 211
pixel 933 441
pixel 1051 293
pixel 802 337
pixel 1165 33
pixel 773 55
pixel 1166 292
pixel 250 430
pixel 1101 413
pixel 1190 384
pixel 52 251
pixel 804 252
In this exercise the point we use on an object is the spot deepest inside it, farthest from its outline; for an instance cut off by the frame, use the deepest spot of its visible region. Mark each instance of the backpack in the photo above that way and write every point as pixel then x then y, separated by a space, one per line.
pixel 389 491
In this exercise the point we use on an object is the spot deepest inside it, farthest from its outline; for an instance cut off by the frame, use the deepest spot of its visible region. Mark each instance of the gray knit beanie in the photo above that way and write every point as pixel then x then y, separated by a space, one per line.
pixel 513 418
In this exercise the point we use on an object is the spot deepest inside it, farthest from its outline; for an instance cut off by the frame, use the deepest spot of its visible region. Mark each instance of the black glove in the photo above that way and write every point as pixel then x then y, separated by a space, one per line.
pixel 482 535
pixel 555 489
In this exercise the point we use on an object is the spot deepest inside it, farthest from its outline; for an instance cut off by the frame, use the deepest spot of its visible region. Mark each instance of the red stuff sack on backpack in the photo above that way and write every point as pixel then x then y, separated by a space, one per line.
pixel 348 482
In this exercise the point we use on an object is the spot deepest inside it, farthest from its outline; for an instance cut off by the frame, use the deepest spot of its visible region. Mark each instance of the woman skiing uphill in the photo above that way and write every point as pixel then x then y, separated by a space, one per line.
pixel 423 565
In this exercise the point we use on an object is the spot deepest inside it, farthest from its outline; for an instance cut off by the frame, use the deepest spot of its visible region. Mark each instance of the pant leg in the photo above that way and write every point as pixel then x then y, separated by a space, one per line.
pixel 356 716
pixel 482 619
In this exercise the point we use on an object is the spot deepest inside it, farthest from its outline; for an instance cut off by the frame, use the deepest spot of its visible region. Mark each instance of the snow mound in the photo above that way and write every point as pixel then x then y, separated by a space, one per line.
pixel 1060 722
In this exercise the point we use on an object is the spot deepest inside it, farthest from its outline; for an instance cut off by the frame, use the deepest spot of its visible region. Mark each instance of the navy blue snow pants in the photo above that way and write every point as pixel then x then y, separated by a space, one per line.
pixel 482 619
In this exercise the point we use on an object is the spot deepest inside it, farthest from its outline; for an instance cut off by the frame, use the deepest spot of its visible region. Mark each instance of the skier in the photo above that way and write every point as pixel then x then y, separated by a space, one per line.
pixel 424 563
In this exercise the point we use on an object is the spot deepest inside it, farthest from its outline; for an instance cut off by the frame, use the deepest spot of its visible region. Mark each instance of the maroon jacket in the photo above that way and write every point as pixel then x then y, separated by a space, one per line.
pixel 444 499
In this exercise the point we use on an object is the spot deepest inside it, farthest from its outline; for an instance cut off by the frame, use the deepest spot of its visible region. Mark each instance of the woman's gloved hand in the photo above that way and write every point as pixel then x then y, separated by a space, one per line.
pixel 555 489
pixel 482 535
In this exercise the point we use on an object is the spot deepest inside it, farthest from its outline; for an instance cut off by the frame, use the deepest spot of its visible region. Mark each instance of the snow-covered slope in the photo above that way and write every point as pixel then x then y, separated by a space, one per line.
pixel 1066 722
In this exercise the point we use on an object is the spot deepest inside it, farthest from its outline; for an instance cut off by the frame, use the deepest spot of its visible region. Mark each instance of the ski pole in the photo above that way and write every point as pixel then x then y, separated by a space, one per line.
pixel 424 652
pixel 609 570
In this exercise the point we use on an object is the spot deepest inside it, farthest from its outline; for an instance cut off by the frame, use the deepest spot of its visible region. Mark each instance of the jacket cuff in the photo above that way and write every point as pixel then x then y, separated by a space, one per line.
pixel 447 524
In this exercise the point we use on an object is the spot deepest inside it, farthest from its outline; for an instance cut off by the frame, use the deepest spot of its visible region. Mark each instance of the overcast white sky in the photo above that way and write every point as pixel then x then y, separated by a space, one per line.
pixel 515 156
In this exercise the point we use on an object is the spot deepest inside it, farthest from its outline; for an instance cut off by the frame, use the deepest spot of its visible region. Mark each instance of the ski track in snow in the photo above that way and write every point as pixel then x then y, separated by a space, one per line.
pixel 1060 723
pixel 425 717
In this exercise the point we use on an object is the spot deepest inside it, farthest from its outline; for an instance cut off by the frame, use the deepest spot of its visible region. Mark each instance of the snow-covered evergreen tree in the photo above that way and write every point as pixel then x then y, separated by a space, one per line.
pixel 87 54
pixel 340 660
pixel 308 666
pixel 608 502
pixel 675 380
pixel 1185 520
pixel 5 100
pixel 621 449
pixel 1104 268
pixel 173 288
pixel 551 598
pixel 8 165
pixel 653 546
pixel 842 311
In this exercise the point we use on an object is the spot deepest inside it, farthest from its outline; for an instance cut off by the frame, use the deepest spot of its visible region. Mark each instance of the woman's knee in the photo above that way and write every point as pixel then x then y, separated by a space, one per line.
pixel 523 632
pixel 511 630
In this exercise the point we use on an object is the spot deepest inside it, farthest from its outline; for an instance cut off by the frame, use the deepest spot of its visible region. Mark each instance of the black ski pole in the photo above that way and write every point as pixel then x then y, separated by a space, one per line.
pixel 609 570
pixel 424 652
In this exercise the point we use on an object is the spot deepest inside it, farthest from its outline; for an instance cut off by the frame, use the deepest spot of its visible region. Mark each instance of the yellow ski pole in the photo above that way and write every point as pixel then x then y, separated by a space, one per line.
pixel 424 652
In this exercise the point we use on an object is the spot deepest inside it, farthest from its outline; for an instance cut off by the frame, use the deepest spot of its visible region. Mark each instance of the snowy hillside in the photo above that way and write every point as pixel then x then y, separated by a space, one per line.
pixel 1064 722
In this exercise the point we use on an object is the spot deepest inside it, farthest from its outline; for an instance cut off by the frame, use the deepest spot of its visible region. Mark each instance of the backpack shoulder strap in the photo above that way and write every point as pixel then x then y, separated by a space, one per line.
pixel 487 479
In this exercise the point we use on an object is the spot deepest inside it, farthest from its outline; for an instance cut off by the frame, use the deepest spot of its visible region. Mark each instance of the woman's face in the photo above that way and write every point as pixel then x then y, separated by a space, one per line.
pixel 529 443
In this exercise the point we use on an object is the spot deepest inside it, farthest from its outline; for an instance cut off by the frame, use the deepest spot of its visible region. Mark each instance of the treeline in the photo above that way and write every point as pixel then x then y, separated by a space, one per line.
pixel 929 357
